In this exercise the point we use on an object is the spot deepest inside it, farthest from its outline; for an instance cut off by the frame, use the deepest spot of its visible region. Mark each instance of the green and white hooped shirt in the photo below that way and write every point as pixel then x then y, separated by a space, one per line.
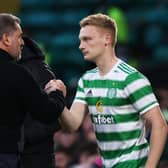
pixel 116 102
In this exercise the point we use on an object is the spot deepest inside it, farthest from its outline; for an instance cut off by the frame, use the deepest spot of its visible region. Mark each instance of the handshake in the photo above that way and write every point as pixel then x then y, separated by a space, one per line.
pixel 55 84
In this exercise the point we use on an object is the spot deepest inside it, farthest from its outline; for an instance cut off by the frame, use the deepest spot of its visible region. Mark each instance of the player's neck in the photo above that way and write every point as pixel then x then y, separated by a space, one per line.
pixel 106 64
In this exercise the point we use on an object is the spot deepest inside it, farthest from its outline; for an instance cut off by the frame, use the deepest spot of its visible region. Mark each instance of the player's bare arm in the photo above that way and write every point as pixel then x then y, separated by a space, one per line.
pixel 73 118
pixel 70 119
pixel 158 136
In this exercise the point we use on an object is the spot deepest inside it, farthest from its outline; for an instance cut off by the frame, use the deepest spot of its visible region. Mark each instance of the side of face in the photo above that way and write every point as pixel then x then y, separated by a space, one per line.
pixel 92 42
pixel 14 42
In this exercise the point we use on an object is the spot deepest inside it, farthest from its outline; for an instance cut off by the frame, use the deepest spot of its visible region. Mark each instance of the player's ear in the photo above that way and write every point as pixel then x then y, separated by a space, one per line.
pixel 108 38
pixel 6 39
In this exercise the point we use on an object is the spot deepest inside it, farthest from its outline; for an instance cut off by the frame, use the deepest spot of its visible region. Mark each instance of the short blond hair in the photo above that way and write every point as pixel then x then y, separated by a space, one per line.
pixel 102 21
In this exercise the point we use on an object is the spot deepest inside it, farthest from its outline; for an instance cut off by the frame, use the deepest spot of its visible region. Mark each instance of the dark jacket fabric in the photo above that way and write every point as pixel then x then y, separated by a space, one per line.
pixel 38 137
pixel 33 59
pixel 19 94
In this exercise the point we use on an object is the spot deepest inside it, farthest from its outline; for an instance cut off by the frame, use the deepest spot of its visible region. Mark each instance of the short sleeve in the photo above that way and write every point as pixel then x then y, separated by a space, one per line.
pixel 139 91
pixel 80 94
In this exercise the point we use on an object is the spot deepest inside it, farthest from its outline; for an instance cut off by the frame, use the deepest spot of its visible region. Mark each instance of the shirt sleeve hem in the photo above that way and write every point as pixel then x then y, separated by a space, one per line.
pixel 148 108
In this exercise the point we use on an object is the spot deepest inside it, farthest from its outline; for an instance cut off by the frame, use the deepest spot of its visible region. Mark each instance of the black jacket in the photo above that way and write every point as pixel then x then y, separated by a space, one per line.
pixel 20 93
pixel 38 137
pixel 33 59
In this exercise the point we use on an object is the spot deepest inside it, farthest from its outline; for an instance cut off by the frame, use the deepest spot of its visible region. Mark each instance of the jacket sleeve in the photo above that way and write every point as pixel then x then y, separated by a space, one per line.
pixel 43 107
pixel 40 71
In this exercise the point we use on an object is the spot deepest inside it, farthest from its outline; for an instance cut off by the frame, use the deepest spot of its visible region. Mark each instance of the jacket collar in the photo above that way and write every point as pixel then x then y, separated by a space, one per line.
pixel 4 56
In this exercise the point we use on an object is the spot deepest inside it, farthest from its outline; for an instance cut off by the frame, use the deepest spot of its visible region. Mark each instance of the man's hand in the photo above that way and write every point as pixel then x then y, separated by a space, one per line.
pixel 53 85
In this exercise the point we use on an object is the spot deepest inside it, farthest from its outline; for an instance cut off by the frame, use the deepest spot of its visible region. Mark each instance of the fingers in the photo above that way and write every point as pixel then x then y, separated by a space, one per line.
pixel 53 85
pixel 49 84
pixel 61 86
pixel 50 89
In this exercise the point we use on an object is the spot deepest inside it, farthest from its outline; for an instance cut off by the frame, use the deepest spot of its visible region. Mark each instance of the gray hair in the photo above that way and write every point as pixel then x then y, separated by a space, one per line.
pixel 8 23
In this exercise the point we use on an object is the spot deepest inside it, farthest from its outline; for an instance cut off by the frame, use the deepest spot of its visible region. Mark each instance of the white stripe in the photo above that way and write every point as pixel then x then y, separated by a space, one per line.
pixel 120 76
pixel 127 109
pixel 135 155
pixel 80 94
pixel 136 85
pixel 80 82
pixel 122 127
pixel 116 145
pixel 99 92
pixel 144 101
pixel 91 76
pixel 103 92
pixel 79 101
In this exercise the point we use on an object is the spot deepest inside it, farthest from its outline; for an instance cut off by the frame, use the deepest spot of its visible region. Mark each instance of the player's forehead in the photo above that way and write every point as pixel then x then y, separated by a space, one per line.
pixel 89 31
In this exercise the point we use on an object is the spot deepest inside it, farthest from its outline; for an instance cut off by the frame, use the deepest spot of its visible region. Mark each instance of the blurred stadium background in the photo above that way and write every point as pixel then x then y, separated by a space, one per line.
pixel 142 36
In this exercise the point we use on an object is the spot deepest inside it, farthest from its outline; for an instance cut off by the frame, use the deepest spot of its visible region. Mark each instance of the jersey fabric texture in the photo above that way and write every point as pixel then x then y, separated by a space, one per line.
pixel 116 103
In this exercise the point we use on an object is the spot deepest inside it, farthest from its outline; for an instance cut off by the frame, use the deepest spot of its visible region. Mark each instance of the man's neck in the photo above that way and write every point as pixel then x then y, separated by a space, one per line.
pixel 106 64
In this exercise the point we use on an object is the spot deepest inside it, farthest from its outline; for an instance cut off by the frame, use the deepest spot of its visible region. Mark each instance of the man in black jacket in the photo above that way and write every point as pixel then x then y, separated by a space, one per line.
pixel 38 138
pixel 19 93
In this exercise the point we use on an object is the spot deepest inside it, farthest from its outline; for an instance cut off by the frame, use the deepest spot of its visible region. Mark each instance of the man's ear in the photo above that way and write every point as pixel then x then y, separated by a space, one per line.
pixel 6 40
pixel 108 38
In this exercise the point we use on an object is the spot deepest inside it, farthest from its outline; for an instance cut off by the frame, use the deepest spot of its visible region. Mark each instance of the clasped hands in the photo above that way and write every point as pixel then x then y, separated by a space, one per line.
pixel 55 84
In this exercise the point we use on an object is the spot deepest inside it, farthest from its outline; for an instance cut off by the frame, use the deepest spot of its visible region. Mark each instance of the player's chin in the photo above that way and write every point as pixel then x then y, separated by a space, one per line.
pixel 87 58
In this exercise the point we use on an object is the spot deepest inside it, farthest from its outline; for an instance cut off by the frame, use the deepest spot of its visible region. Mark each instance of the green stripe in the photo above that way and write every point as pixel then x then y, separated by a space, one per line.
pixel 127 68
pixel 103 84
pixel 79 89
pixel 123 69
pixel 118 153
pixel 118 136
pixel 132 163
pixel 79 98
pixel 107 102
pixel 120 118
pixel 133 77
pixel 140 93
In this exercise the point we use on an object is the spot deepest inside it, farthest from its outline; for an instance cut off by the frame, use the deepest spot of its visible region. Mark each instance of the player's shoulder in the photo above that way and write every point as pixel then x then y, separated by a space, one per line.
pixel 90 73
pixel 125 68
pixel 129 72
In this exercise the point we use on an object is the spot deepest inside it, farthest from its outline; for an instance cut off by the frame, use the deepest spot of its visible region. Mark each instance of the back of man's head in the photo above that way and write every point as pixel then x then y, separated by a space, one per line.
pixel 31 50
